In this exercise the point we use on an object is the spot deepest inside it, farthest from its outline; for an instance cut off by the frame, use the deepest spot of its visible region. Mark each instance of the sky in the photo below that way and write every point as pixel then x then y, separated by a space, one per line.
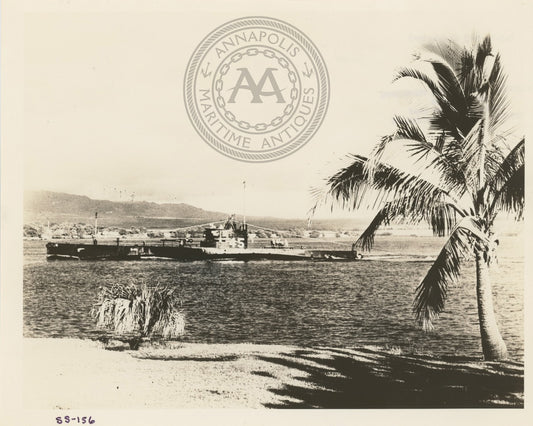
pixel 104 114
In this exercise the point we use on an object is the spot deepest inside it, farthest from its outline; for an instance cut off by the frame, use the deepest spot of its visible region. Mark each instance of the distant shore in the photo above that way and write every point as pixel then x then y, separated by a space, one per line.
pixel 73 373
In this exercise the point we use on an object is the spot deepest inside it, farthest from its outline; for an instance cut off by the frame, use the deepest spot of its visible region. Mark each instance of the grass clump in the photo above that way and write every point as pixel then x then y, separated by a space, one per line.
pixel 140 311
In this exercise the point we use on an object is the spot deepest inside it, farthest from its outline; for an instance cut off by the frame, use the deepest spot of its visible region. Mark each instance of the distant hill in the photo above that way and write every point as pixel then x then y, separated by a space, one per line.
pixel 42 206
pixel 57 207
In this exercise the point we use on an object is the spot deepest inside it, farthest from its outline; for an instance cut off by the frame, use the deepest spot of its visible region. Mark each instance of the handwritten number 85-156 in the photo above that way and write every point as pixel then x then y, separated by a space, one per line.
pixel 68 419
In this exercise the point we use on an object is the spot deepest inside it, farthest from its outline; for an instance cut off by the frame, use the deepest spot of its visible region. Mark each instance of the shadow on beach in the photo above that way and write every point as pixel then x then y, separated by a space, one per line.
pixel 197 375
pixel 365 378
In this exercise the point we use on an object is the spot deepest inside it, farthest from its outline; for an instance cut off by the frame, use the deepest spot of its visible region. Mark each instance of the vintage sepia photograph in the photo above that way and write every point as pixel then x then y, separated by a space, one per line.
pixel 242 205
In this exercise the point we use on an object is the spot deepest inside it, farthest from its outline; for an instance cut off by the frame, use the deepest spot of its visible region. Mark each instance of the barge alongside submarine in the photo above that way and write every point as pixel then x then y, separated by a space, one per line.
pixel 226 242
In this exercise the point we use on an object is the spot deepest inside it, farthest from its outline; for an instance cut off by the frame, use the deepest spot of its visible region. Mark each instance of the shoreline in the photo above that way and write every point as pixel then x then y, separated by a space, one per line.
pixel 75 373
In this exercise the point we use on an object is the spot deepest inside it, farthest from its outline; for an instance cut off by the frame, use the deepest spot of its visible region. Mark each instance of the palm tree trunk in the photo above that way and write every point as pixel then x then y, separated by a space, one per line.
pixel 491 340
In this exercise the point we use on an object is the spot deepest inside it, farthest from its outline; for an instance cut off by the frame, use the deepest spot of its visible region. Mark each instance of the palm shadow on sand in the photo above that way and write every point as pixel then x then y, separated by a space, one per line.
pixel 333 378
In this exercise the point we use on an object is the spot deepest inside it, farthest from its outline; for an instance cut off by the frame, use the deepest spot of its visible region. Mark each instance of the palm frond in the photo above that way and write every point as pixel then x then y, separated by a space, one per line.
pixel 498 102
pixel 470 148
pixel 351 185
pixel 424 78
pixel 484 49
pixel 437 162
pixel 452 92
pixel 458 110
pixel 467 74
pixel 440 142
pixel 510 197
pixel 444 160
pixel 366 239
pixel 441 216
pixel 514 160
pixel 443 119
pixel 414 199
pixel 408 128
pixel 449 51
pixel 431 293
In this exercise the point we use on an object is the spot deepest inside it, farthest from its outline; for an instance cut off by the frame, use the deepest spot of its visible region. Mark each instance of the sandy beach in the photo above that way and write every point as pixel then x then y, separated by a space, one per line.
pixel 74 374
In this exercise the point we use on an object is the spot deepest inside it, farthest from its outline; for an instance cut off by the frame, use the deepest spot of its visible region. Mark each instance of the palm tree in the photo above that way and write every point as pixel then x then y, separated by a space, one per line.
pixel 465 171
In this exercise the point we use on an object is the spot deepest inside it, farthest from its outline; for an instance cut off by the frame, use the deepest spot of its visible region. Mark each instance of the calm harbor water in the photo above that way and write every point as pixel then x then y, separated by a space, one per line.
pixel 301 303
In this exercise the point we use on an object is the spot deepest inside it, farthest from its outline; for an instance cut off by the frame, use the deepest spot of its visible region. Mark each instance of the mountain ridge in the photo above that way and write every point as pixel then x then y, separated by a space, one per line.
pixel 58 202
pixel 58 207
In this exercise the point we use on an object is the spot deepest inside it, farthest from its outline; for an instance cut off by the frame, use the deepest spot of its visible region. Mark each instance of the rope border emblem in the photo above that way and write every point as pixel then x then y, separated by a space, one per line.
pixel 193 69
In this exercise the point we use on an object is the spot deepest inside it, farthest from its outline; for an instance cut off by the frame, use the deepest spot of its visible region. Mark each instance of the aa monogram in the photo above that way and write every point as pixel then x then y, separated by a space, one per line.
pixel 256 89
